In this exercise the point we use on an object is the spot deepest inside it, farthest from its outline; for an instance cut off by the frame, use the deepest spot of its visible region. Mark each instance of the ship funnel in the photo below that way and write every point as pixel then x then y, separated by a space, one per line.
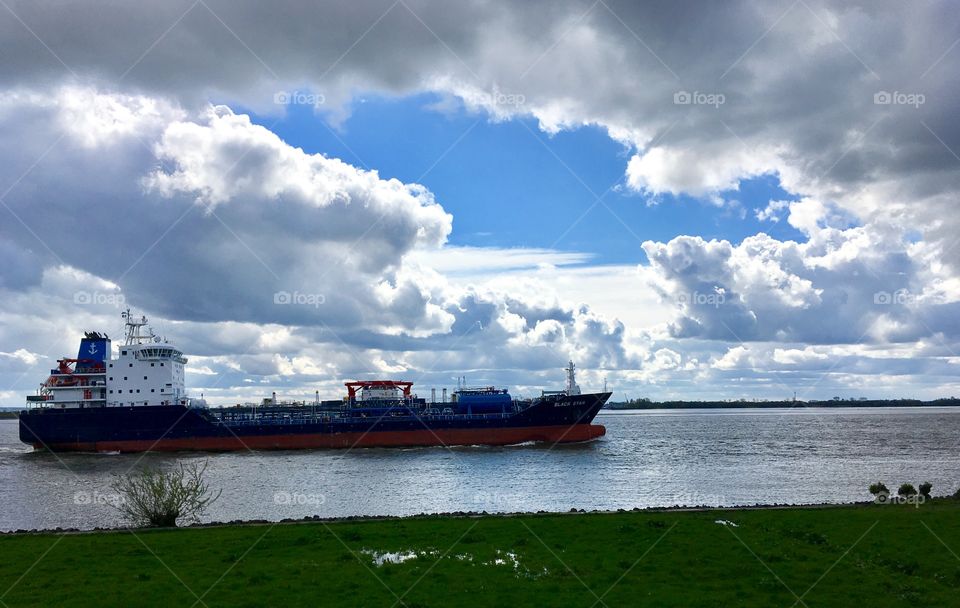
pixel 94 350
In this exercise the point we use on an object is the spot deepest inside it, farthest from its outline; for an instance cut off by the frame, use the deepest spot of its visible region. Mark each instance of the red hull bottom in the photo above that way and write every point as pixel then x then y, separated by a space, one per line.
pixel 440 437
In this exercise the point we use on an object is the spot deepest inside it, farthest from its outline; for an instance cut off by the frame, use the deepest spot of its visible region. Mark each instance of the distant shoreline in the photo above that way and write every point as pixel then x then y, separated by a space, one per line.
pixel 833 403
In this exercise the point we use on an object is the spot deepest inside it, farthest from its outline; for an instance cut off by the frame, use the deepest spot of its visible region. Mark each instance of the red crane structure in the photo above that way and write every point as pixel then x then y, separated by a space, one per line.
pixel 352 387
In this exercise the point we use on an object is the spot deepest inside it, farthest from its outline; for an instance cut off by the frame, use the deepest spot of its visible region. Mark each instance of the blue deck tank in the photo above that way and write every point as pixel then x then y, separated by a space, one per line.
pixel 489 401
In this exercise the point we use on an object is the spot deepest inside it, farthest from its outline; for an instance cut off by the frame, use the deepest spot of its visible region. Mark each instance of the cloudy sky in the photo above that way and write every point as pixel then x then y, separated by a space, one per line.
pixel 694 200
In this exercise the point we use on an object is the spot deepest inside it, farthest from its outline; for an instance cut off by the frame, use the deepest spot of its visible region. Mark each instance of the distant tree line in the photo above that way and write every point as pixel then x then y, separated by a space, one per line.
pixel 648 404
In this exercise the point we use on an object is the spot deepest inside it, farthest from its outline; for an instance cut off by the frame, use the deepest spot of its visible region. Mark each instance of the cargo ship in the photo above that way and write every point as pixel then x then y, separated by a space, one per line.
pixel 137 401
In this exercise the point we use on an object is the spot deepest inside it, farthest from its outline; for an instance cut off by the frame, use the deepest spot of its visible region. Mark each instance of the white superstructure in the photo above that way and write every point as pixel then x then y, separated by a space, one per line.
pixel 147 371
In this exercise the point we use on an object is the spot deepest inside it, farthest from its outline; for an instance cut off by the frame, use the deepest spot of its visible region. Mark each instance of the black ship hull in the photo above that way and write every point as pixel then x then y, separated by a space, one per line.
pixel 554 419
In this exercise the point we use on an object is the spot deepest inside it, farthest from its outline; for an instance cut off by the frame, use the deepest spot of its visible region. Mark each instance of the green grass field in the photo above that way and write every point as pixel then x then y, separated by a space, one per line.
pixel 891 555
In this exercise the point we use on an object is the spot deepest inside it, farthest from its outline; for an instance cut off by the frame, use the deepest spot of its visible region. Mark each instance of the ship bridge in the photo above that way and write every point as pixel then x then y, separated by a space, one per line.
pixel 158 353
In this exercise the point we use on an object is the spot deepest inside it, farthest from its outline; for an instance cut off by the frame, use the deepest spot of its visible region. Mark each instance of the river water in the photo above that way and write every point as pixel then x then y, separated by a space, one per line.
pixel 651 458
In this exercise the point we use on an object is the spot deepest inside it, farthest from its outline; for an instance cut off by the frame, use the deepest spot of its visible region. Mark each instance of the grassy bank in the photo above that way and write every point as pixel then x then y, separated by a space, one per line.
pixel 893 555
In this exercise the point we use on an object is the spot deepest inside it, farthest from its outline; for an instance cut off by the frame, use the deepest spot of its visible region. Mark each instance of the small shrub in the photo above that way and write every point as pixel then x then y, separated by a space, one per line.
pixel 157 499
pixel 907 489
pixel 878 488
pixel 925 489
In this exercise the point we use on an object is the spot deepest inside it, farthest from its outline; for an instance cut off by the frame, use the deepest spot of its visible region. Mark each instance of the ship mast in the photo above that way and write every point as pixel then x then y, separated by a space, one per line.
pixel 572 388
pixel 132 333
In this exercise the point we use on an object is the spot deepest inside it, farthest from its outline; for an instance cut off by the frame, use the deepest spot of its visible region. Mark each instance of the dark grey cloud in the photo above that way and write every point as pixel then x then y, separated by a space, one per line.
pixel 797 80
pixel 230 224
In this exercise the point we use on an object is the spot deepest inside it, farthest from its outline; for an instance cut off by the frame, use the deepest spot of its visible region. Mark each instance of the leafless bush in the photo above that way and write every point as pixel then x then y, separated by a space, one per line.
pixel 155 498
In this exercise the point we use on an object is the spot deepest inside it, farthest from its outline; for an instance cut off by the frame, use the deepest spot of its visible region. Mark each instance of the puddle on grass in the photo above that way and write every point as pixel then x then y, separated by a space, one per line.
pixel 501 558
pixel 507 558
pixel 726 522
pixel 396 557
